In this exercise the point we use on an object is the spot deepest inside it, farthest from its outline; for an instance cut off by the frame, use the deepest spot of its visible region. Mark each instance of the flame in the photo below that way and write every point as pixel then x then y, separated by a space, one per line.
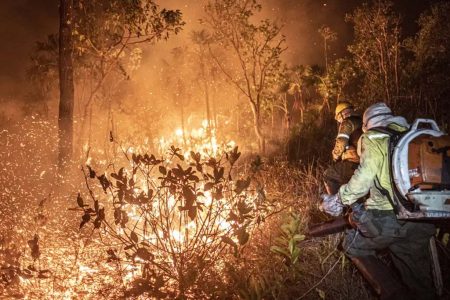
pixel 177 235
pixel 86 269
pixel 179 132
pixel 180 230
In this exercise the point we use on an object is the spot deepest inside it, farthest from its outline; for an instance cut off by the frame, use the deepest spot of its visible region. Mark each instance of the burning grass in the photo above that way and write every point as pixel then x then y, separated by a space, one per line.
pixel 183 224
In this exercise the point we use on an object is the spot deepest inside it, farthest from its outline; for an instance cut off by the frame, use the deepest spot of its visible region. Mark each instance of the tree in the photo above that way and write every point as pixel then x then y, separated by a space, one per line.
pixel 300 78
pixel 328 36
pixel 428 75
pixel 376 50
pixel 254 51
pixel 109 31
pixel 174 86
pixel 106 36
pixel 66 86
pixel 201 39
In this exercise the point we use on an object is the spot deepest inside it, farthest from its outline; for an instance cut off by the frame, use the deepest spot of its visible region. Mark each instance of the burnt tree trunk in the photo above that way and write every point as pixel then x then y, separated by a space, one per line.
pixel 66 86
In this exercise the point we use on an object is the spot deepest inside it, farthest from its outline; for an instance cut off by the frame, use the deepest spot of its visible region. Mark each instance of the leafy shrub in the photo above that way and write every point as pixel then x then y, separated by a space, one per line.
pixel 170 222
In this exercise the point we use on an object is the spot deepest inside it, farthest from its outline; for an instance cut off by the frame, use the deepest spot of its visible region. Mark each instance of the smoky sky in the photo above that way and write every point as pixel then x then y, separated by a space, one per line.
pixel 23 22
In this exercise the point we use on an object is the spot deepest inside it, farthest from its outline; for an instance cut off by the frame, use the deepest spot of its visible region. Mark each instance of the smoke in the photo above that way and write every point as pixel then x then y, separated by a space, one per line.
pixel 23 22
pixel 26 21
pixel 301 20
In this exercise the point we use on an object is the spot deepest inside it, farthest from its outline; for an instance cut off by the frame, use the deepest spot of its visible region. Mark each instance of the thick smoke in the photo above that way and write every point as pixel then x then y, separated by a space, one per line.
pixel 26 21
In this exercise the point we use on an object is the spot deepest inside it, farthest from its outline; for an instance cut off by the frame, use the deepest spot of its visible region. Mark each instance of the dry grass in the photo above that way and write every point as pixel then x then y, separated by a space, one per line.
pixel 36 202
pixel 321 270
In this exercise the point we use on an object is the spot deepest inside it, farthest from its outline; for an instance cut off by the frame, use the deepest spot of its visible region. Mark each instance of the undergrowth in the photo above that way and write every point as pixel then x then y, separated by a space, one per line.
pixel 43 252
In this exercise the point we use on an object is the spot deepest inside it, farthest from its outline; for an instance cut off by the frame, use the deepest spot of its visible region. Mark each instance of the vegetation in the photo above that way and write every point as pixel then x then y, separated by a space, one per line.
pixel 157 200
pixel 254 53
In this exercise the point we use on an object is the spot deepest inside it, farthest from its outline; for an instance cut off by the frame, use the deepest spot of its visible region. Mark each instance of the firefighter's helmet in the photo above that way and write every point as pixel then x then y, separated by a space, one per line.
pixel 343 110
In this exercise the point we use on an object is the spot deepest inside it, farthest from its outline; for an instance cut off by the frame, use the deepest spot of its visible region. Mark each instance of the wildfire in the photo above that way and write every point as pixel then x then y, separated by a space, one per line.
pixel 202 140
pixel 161 229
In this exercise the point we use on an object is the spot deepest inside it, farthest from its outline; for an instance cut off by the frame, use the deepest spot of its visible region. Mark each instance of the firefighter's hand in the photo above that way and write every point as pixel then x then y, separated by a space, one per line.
pixel 332 205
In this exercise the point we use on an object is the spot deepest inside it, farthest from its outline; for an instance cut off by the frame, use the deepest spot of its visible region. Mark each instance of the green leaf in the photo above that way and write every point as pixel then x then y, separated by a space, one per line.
pixel 291 245
pixel 295 255
pixel 279 250
pixel 298 237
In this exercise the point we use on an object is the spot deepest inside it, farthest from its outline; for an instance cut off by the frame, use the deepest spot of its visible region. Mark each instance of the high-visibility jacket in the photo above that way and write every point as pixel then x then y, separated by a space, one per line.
pixel 373 173
pixel 347 138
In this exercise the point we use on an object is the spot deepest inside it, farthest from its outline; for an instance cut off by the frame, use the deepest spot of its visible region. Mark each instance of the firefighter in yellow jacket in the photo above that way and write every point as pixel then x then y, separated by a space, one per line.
pixel 344 152
pixel 377 227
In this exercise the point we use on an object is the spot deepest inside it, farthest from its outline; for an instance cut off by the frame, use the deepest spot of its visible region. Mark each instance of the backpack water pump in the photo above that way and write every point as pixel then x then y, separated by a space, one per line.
pixel 420 172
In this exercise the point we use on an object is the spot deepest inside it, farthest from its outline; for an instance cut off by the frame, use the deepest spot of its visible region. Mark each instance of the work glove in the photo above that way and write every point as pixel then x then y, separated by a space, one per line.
pixel 332 204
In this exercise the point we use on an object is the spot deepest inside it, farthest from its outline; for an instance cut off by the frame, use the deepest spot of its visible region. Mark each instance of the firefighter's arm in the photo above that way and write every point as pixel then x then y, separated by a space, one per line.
pixel 363 178
pixel 342 139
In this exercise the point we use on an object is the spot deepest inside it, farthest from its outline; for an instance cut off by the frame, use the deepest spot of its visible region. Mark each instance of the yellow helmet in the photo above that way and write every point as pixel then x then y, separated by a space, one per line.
pixel 341 106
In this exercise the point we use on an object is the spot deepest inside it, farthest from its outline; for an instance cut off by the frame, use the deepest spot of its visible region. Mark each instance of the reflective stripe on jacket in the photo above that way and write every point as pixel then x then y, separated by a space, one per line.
pixel 372 173
pixel 346 139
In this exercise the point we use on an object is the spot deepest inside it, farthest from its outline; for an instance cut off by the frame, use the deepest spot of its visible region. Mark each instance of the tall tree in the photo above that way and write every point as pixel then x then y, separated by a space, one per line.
pixel 254 52
pixel 106 36
pixel 376 50
pixel 201 39
pixel 66 86
pixel 108 32
pixel 328 36
pixel 428 76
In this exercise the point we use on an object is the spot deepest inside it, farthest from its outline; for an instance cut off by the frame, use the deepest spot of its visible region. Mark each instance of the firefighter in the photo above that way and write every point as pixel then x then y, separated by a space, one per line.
pixel 344 152
pixel 377 227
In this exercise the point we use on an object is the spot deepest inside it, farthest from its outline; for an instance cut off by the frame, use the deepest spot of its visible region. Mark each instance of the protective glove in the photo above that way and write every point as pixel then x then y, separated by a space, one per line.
pixel 332 204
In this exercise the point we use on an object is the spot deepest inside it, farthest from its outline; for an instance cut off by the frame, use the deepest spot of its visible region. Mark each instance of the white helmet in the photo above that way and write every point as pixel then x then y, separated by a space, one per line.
pixel 374 113
pixel 380 115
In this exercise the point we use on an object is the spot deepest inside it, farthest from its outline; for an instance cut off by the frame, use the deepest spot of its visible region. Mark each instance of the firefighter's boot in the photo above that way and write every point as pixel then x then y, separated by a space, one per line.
pixel 380 278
